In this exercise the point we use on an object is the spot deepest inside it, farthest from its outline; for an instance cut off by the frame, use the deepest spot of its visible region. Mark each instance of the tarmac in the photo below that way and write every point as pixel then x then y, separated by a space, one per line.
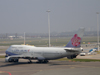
pixel 54 67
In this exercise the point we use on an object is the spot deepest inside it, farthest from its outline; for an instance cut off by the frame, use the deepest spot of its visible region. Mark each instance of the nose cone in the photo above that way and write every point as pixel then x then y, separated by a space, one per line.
pixel 7 50
pixel 6 53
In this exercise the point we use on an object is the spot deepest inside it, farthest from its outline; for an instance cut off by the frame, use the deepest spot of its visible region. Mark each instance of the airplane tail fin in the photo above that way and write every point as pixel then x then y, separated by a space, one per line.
pixel 76 40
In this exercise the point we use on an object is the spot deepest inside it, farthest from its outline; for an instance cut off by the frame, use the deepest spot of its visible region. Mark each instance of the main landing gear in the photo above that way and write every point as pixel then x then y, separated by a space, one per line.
pixel 71 56
pixel 42 61
pixel 39 61
pixel 30 61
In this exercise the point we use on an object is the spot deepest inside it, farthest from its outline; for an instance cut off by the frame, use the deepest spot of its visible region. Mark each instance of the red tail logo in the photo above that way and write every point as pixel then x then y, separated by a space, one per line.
pixel 75 40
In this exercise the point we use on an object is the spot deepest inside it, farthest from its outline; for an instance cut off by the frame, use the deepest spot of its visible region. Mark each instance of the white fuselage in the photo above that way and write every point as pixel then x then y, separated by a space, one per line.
pixel 40 53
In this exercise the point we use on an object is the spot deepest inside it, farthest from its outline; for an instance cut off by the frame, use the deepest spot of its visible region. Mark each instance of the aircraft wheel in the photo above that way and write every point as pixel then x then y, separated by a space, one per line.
pixel 75 56
pixel 45 61
pixel 15 60
pixel 30 61
pixel 11 60
pixel 40 61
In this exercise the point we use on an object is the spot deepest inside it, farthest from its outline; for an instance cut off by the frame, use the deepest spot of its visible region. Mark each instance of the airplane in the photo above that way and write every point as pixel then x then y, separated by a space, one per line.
pixel 92 51
pixel 44 54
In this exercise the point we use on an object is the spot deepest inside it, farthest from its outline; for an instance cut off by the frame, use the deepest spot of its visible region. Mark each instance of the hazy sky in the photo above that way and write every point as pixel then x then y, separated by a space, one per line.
pixel 18 16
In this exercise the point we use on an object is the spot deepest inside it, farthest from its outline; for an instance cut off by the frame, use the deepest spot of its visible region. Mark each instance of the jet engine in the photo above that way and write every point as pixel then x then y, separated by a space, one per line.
pixel 8 59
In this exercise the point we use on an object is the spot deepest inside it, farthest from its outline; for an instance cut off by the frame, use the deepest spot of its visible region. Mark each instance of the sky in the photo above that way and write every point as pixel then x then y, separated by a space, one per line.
pixel 30 16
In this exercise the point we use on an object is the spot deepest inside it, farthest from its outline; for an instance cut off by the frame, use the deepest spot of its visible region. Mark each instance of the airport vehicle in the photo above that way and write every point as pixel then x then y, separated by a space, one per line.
pixel 82 54
pixel 43 54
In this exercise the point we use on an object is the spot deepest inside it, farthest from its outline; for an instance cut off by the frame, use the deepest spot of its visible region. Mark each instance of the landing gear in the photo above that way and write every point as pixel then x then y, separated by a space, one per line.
pixel 30 61
pixel 12 60
pixel 45 61
pixel 71 57
pixel 15 60
pixel 42 61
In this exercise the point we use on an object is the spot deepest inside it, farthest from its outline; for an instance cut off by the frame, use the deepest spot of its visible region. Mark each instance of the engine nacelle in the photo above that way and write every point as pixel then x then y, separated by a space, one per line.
pixel 8 59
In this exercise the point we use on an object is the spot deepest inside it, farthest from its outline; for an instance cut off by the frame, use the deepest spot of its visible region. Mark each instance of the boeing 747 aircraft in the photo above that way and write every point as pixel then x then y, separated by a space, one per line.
pixel 43 54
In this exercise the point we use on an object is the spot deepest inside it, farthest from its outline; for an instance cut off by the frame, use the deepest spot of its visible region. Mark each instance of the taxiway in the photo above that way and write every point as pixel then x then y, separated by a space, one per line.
pixel 54 67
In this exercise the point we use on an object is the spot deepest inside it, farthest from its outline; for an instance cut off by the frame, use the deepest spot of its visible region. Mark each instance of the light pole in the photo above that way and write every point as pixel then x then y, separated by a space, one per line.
pixel 49 26
pixel 24 38
pixel 98 29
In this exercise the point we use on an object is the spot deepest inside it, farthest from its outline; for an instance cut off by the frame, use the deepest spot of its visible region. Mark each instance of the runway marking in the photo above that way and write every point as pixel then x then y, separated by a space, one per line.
pixel 1 72
pixel 5 72
pixel 70 67
pixel 36 70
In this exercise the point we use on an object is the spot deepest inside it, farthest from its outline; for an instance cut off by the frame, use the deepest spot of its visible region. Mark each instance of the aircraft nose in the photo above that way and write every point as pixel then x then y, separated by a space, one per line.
pixel 7 50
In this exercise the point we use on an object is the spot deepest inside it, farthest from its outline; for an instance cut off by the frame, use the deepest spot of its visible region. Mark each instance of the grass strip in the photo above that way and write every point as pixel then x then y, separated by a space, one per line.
pixel 80 60
pixel 2 56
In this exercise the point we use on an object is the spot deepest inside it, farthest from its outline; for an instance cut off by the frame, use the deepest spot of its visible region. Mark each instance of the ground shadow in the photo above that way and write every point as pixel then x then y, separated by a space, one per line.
pixel 63 63
pixel 51 63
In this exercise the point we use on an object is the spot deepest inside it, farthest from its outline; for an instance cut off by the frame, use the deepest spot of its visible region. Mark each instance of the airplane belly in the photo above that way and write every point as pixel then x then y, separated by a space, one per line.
pixel 52 55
